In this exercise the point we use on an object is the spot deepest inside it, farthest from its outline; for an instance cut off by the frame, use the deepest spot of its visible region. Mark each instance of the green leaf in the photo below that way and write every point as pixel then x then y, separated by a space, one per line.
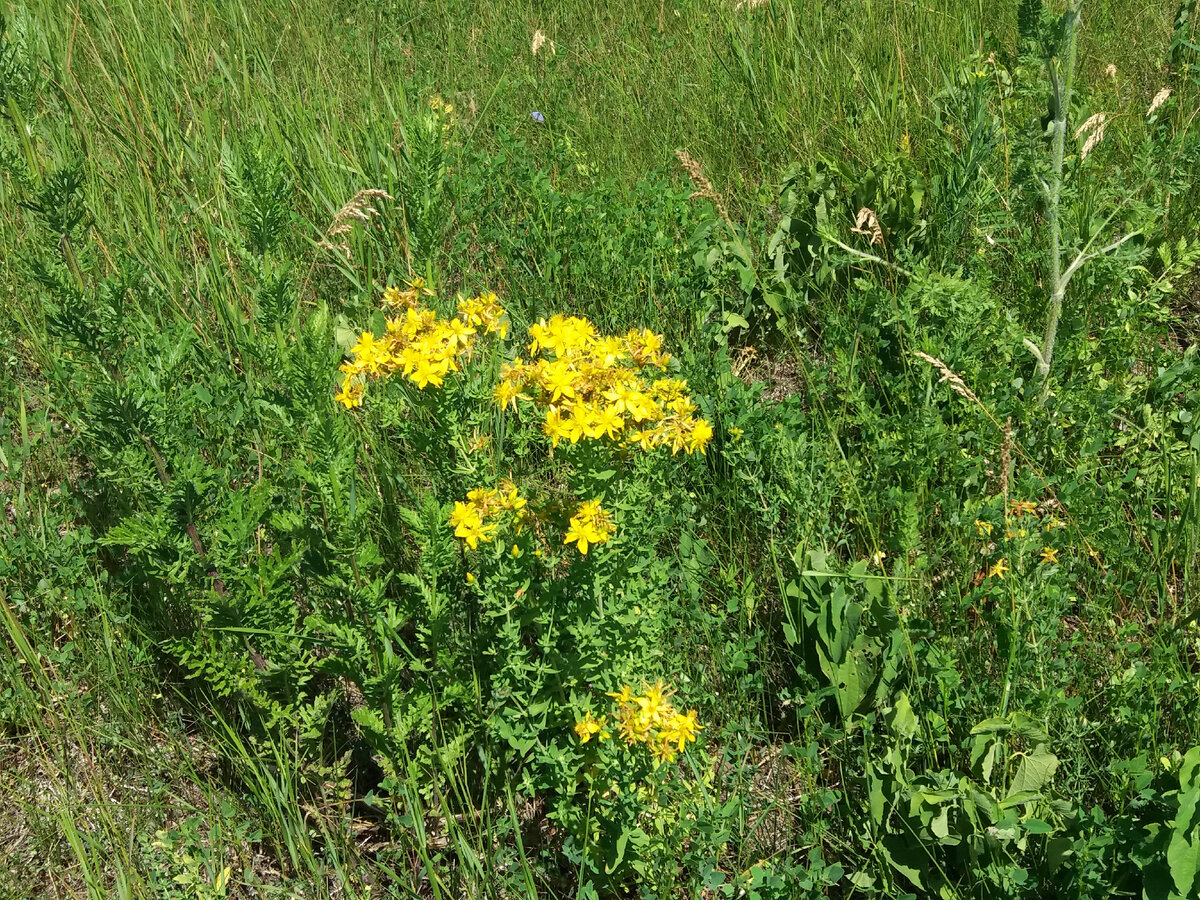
pixel 622 843
pixel 875 797
pixel 1037 826
pixel 904 858
pixel 903 721
pixel 733 320
pixel 1183 852
pixel 1035 771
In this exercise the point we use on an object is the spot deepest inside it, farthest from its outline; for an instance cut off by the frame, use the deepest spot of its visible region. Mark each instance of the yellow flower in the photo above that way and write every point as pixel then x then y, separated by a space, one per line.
pixel 653 699
pixel 608 421
pixel 651 719
pixel 645 438
pixel 351 394
pixel 673 432
pixel 425 348
pixel 983 529
pixel 735 432
pixel 392 296
pixel 591 524
pixel 999 570
pixel 368 353
pixel 588 727
pixel 625 695
pixel 681 729
pixel 1049 555
pixel 701 434
pixel 509 499
pixel 583 535
pixel 581 423
pixel 1023 507
pixel 426 373
pixel 470 520
pixel 473 532
pixel 458 333
pixel 506 393
pixel 554 426
pixel 559 381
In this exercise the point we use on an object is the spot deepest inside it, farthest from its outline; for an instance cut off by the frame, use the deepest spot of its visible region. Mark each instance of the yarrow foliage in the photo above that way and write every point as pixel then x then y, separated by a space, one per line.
pixel 598 387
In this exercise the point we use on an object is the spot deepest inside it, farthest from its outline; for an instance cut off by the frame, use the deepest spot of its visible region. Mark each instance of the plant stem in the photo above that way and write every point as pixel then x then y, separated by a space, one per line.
pixel 1062 104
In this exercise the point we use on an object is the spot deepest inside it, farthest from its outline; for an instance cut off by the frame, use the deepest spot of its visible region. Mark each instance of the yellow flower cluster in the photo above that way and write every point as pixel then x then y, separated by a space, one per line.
pixel 591 524
pixel 1014 529
pixel 477 520
pixel 594 386
pixel 443 112
pixel 649 718
pixel 589 726
pixel 417 343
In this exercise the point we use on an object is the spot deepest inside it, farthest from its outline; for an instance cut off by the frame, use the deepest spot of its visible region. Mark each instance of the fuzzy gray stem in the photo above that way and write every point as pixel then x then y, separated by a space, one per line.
pixel 1058 284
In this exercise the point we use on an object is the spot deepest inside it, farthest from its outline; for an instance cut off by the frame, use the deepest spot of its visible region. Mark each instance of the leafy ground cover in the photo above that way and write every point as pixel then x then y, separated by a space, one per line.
pixel 691 449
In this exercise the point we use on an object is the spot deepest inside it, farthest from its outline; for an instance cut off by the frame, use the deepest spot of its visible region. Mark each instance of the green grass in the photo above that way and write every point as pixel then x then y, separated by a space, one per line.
pixel 344 716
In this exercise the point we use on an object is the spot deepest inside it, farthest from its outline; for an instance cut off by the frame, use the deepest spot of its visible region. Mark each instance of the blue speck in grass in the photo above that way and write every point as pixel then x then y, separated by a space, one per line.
pixel 538 117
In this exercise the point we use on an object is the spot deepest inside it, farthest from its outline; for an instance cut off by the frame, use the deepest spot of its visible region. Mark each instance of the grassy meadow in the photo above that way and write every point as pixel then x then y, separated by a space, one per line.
pixel 690 448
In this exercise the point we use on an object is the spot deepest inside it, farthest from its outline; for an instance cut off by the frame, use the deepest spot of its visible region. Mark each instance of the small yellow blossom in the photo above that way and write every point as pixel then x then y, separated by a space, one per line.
pixel 1023 507
pixel 589 727
pixel 983 529
pixel 594 387
pixel 999 570
pixel 351 394
pixel 701 434
pixel 1049 555
pixel 591 524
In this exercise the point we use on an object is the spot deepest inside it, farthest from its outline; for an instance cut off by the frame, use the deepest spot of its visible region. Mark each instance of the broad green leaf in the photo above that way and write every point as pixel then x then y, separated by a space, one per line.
pixel 1034 772
pixel 904 858
pixel 1183 852
pixel 903 720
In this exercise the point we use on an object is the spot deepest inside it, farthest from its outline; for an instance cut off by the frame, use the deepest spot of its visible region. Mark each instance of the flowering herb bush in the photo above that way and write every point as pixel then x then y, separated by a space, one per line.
pixel 563 605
